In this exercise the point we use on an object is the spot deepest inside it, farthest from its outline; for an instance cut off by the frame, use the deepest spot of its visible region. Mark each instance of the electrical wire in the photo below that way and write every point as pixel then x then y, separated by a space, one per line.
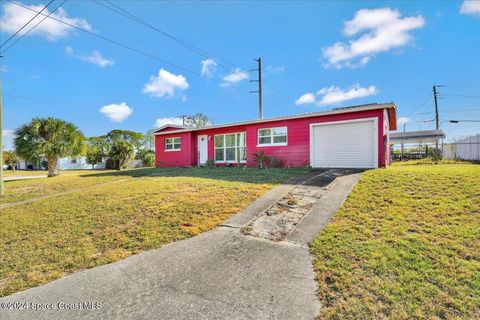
pixel 19 30
pixel 26 33
pixel 113 41
pixel 121 11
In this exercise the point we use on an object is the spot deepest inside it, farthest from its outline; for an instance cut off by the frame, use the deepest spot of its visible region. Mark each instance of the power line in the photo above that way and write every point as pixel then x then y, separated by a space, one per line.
pixel 19 30
pixel 461 95
pixel 119 10
pixel 113 41
pixel 201 52
pixel 26 33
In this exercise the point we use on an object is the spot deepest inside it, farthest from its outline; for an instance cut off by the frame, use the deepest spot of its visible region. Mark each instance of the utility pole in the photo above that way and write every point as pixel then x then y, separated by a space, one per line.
pixel 437 120
pixel 259 91
pixel 435 97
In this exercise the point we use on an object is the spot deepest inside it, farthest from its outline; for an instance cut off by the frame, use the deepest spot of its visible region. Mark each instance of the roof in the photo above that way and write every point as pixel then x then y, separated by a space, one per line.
pixel 416 136
pixel 390 106
pixel 170 126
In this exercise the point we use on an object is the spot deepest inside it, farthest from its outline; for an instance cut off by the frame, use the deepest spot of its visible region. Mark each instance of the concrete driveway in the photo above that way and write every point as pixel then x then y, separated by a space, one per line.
pixel 227 273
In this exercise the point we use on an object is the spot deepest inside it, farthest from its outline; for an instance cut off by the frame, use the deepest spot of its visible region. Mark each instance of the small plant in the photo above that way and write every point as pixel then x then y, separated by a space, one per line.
pixel 149 160
pixel 261 159
pixel 210 164
pixel 274 162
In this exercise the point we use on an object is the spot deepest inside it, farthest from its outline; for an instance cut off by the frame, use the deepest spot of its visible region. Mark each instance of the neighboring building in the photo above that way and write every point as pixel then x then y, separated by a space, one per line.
pixel 66 163
pixel 352 137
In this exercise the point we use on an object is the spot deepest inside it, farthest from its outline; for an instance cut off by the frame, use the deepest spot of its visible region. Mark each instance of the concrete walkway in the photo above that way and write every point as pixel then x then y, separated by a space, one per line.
pixel 23 178
pixel 221 274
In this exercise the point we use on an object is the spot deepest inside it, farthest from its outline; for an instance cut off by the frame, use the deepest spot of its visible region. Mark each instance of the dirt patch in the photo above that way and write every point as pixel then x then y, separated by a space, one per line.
pixel 278 221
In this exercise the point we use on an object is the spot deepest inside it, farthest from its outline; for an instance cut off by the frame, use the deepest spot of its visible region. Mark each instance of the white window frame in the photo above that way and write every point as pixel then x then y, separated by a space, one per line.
pixel 272 144
pixel 173 144
pixel 225 148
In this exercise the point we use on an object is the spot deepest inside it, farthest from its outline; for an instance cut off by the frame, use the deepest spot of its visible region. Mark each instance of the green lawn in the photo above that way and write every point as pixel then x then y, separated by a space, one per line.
pixel 50 238
pixel 404 245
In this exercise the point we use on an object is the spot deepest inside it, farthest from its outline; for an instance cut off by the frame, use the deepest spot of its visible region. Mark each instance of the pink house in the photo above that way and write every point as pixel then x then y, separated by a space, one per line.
pixel 351 137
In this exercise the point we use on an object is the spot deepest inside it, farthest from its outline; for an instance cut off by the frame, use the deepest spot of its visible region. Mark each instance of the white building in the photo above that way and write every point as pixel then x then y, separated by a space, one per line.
pixel 66 163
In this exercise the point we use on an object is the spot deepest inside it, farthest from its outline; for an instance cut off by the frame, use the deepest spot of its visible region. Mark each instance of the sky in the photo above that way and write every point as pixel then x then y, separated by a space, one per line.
pixel 187 57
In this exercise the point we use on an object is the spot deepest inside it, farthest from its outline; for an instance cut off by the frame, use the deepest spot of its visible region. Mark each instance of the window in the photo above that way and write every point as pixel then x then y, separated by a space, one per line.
pixel 272 136
pixel 173 144
pixel 73 160
pixel 230 147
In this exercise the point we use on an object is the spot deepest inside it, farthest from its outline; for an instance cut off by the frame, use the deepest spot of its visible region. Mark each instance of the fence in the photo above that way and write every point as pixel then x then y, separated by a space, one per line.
pixel 465 149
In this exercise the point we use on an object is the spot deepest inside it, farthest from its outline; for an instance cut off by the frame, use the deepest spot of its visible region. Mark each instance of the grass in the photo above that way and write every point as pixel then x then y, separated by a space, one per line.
pixel 405 245
pixel 54 237
pixel 27 189
pixel 25 173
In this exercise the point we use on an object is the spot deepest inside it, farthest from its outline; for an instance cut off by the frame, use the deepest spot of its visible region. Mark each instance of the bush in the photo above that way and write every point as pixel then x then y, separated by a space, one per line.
pixel 261 159
pixel 210 164
pixel 149 160
pixel 274 162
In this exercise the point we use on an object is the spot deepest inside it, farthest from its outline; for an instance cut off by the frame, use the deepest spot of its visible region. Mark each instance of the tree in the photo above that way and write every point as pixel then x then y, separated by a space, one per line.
pixel 132 137
pixel 196 120
pixel 121 152
pixel 49 137
pixel 99 143
pixel 10 158
pixel 96 149
pixel 149 140
pixel 93 155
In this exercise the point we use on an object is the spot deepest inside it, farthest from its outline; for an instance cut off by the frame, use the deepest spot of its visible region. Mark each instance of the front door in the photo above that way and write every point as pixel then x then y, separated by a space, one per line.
pixel 202 149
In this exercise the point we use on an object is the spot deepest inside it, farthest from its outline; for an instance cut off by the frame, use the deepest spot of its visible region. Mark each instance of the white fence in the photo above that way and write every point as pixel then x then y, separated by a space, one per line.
pixel 465 149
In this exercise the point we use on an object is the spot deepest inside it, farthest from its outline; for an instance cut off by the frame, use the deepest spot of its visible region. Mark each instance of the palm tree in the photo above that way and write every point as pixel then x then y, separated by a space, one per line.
pixel 49 137
pixel 121 152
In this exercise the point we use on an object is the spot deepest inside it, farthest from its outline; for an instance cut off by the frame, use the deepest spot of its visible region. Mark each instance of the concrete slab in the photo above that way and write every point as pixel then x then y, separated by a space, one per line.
pixel 220 274
pixel 24 178
pixel 323 210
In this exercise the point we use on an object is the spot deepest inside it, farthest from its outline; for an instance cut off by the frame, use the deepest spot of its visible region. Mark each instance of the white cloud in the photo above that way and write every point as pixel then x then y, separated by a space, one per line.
pixel 8 136
pixel 95 58
pixel 307 98
pixel 270 70
pixel 208 68
pixel 69 50
pixel 14 17
pixel 165 84
pixel 160 122
pixel 334 95
pixel 471 7
pixel 116 112
pixel 402 120
pixel 378 30
pixel 236 76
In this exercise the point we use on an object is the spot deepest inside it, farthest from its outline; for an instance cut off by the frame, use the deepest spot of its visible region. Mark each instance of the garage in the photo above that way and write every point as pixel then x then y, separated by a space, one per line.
pixel 344 144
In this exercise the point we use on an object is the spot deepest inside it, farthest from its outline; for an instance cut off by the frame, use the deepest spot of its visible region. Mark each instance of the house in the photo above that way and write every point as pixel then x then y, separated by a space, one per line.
pixel 66 163
pixel 351 137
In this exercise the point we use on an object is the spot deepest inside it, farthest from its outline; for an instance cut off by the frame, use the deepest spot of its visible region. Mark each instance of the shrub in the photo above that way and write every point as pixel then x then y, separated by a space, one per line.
pixel 149 160
pixel 261 159
pixel 210 164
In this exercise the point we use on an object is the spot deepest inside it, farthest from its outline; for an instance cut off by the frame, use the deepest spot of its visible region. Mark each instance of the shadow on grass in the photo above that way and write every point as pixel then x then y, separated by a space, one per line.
pixel 250 175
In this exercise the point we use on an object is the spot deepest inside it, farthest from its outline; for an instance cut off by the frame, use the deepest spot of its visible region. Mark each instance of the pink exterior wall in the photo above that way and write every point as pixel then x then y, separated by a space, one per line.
pixel 386 135
pixel 295 153
pixel 180 158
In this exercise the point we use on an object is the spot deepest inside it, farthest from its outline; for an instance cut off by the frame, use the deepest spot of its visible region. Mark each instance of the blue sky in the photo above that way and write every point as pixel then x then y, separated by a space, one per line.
pixel 317 55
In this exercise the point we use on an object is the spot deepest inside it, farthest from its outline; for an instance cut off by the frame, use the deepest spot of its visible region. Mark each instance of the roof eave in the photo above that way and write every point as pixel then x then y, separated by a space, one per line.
pixel 390 106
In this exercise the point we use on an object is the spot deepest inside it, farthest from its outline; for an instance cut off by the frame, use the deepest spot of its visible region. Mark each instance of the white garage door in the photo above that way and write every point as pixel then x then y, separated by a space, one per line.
pixel 344 144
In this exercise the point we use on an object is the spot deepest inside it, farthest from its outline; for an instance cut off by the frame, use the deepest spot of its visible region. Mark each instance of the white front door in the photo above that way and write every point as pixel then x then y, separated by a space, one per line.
pixel 202 149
